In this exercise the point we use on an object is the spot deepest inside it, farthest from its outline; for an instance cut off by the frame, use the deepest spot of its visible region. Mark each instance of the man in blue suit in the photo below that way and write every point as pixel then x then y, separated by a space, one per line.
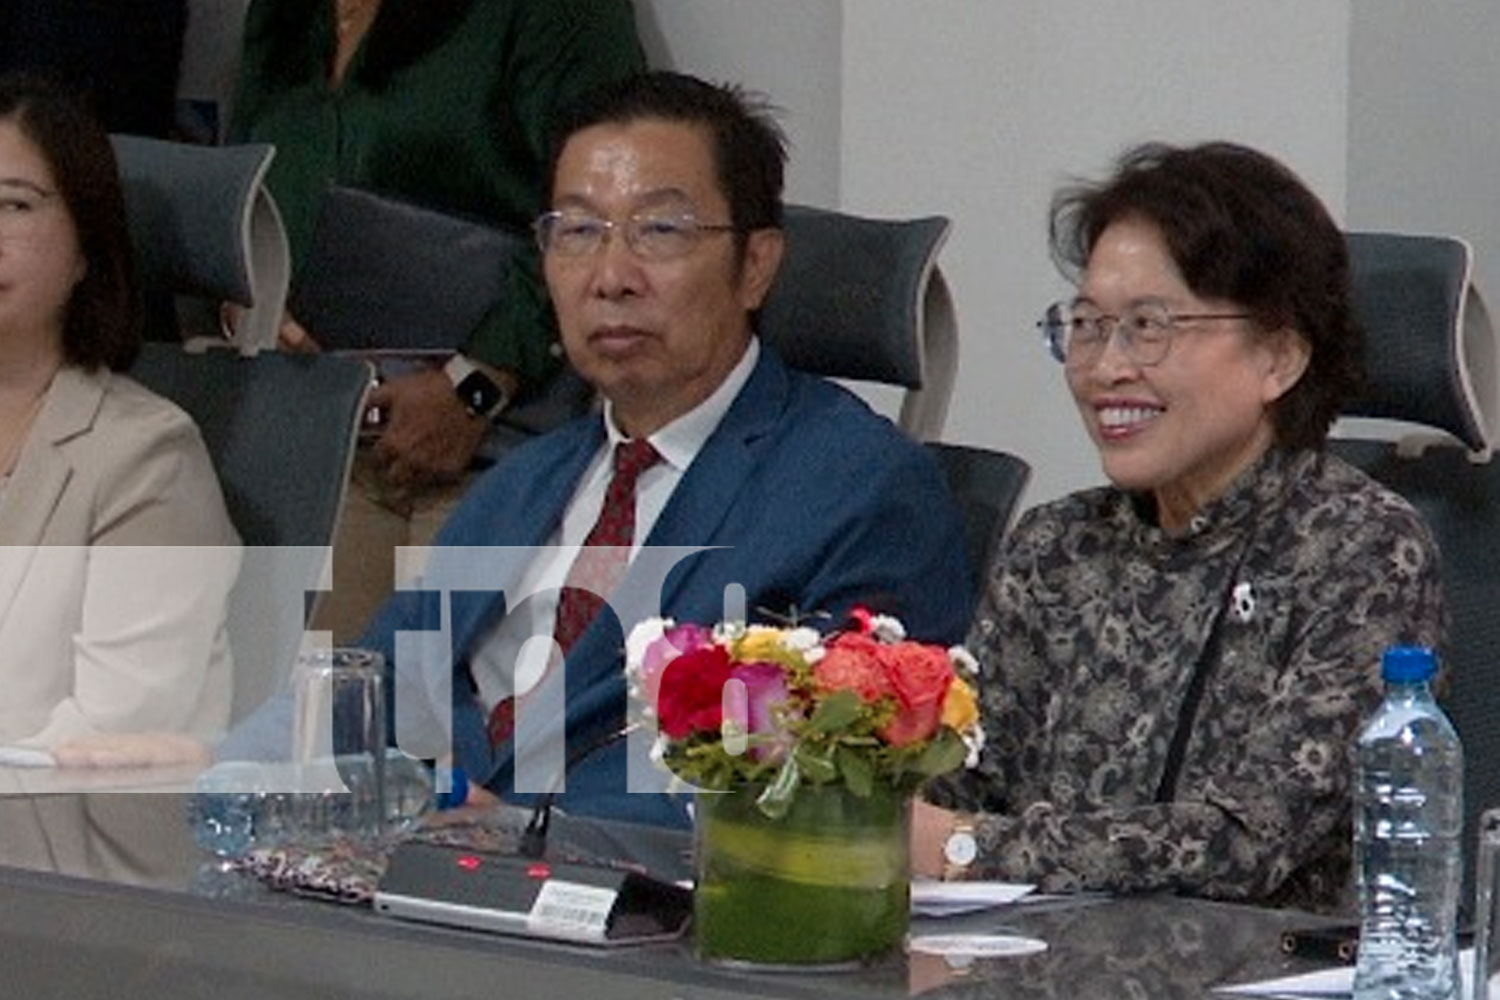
pixel 664 237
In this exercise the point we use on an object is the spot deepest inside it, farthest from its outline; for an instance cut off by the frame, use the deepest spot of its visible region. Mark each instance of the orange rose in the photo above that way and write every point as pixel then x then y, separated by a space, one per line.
pixel 920 676
pixel 852 663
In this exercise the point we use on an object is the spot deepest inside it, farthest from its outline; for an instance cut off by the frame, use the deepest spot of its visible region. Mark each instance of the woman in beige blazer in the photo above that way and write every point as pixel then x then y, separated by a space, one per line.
pixel 118 553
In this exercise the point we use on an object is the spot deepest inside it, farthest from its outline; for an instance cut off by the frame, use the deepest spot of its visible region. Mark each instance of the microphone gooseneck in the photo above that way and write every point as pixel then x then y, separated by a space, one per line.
pixel 533 843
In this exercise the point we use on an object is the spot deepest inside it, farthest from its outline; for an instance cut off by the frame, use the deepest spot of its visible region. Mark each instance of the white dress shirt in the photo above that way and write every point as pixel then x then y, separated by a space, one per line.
pixel 504 652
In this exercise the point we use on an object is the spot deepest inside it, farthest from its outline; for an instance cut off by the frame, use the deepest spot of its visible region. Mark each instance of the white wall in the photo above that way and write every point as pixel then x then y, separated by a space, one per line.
pixel 1423 141
pixel 977 109
pixel 788 50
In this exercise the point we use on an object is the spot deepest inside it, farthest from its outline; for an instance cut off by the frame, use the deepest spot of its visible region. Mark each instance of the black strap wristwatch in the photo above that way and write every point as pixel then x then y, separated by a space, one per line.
pixel 481 395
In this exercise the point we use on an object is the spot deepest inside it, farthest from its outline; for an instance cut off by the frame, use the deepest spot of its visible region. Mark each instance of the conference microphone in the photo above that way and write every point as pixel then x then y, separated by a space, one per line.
pixel 525 893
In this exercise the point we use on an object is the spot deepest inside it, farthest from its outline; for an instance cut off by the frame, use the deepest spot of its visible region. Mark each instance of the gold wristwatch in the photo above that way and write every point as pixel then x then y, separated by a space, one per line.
pixel 959 850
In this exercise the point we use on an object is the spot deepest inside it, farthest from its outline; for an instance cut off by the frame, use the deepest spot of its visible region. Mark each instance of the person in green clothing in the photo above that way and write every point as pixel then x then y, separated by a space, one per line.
pixel 446 104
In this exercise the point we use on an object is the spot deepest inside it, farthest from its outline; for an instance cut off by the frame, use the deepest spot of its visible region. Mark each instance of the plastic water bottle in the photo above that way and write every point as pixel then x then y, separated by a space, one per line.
pixel 1408 826
pixel 222 809
pixel 238 805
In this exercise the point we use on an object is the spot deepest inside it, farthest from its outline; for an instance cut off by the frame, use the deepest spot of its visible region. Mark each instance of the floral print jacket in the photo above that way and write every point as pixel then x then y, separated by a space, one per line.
pixel 1178 713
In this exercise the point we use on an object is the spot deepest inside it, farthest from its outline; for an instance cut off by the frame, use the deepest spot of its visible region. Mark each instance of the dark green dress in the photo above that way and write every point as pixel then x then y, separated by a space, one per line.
pixel 446 104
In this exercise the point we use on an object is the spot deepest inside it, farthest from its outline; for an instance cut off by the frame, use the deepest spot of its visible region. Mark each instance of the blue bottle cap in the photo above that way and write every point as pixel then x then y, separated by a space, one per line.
pixel 459 793
pixel 1408 664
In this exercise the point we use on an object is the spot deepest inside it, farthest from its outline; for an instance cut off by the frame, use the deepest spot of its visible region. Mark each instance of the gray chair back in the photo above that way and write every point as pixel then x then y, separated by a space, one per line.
pixel 863 299
pixel 281 430
pixel 385 276
pixel 1430 355
pixel 987 485
pixel 204 226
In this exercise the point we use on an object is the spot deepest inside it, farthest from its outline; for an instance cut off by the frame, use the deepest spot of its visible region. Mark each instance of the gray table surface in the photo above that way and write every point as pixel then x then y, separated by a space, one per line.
pixel 69 927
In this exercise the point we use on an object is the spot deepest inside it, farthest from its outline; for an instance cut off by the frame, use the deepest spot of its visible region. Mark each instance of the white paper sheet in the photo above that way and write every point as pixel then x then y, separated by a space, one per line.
pixel 931 898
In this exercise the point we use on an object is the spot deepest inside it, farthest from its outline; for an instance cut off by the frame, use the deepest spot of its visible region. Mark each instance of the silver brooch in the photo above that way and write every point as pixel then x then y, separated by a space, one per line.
pixel 1242 602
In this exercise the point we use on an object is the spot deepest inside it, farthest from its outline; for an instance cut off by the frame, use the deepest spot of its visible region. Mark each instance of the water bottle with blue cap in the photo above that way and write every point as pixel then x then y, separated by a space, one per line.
pixel 1408 828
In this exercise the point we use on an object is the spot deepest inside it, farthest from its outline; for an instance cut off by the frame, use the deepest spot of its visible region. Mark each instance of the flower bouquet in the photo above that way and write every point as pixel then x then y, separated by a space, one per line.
pixel 805 750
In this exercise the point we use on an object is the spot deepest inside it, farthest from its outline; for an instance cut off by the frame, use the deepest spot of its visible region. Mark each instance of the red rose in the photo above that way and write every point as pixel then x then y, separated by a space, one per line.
pixel 919 675
pixel 852 663
pixel 691 698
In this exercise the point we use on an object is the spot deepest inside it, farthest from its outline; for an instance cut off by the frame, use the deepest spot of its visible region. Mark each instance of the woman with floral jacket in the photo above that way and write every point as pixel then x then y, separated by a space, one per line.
pixel 1175 666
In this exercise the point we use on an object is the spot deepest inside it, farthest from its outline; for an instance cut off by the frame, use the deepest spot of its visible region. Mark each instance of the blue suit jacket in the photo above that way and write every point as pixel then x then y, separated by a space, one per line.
pixel 812 503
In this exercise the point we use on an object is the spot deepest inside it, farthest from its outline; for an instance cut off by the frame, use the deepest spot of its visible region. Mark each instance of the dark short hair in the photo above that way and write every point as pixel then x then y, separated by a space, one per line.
pixel 103 321
pixel 749 148
pixel 1243 227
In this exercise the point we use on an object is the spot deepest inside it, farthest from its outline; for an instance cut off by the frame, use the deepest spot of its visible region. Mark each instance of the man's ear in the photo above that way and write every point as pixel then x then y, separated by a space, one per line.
pixel 763 252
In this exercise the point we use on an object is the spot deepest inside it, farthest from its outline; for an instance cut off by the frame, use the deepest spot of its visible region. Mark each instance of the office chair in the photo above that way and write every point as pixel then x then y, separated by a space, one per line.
pixel 863 299
pixel 205 229
pixel 280 429
pixel 399 281
pixel 987 485
pixel 1430 355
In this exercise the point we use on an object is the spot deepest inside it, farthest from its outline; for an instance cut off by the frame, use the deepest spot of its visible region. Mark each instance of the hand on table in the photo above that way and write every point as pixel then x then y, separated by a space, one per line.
pixel 157 749
pixel 930 829
pixel 479 800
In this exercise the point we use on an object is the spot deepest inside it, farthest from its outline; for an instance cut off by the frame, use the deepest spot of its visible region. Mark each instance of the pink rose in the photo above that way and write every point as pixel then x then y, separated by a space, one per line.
pixel 765 690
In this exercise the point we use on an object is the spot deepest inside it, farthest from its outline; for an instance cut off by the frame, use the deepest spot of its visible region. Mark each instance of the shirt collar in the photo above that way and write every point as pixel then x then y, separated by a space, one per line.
pixel 1259 488
pixel 679 442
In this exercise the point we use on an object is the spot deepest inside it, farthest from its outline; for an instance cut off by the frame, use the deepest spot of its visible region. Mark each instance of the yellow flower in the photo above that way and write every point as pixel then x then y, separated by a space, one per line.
pixel 960 706
pixel 760 642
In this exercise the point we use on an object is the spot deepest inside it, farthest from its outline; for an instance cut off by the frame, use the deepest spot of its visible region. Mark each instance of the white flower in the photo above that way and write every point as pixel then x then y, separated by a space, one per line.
pixel 727 632
pixel 963 661
pixel 887 628
pixel 974 741
pixel 805 640
pixel 640 639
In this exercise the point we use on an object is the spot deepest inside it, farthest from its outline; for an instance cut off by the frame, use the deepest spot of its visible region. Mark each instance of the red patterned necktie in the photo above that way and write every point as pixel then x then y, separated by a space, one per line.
pixel 595 570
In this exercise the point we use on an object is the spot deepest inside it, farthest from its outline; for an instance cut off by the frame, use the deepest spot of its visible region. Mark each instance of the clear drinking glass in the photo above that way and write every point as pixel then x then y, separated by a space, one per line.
pixel 1485 982
pixel 338 751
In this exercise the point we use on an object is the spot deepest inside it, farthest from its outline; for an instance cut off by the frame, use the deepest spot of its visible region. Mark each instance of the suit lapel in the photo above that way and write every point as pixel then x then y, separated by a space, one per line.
pixel 530 513
pixel 692 517
pixel 531 498
pixel 712 484
pixel 43 472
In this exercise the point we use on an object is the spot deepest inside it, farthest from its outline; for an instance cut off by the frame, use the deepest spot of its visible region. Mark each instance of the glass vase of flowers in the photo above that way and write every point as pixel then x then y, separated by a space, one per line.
pixel 803 751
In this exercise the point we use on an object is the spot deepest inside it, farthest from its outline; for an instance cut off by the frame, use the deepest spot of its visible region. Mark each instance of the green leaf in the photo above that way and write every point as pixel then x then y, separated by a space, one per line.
pixel 837 711
pixel 857 772
pixel 817 768
pixel 946 752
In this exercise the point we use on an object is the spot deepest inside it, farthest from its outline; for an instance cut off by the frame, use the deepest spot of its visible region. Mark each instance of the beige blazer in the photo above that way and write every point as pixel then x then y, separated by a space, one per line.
pixel 115 573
